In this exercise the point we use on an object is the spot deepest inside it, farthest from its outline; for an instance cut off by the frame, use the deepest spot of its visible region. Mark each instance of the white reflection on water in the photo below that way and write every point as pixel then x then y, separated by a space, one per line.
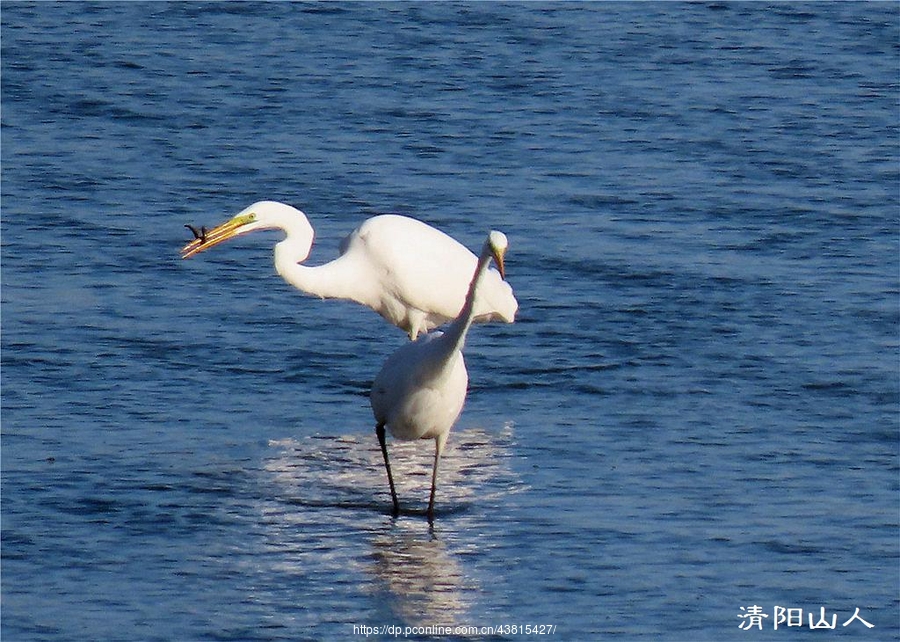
pixel 422 579
pixel 347 471
pixel 326 517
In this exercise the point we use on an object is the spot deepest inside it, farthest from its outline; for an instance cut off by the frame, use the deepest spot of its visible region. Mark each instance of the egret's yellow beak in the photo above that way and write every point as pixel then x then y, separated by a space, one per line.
pixel 219 234
pixel 498 260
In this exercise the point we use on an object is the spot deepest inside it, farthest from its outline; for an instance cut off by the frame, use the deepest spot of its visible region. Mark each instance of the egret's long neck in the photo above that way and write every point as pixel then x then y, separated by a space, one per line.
pixel 338 279
pixel 455 336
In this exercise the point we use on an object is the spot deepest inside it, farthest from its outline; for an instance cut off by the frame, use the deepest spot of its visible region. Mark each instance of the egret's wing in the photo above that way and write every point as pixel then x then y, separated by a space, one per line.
pixel 423 269
pixel 417 264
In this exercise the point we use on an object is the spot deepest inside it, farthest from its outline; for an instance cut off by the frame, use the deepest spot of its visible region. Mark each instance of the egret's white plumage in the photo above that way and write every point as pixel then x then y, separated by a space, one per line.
pixel 420 390
pixel 410 273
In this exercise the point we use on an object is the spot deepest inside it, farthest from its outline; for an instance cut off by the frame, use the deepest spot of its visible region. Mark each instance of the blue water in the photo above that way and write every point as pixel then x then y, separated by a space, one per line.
pixel 695 413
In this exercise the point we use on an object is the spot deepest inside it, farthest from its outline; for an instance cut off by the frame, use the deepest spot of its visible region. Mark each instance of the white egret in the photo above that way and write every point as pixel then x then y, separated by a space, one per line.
pixel 410 273
pixel 421 388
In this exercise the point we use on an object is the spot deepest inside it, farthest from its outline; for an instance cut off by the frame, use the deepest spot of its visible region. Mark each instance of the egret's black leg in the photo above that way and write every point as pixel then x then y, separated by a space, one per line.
pixel 379 430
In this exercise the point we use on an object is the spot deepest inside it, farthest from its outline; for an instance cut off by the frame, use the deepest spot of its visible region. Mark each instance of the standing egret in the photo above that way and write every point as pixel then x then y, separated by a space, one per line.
pixel 410 273
pixel 421 388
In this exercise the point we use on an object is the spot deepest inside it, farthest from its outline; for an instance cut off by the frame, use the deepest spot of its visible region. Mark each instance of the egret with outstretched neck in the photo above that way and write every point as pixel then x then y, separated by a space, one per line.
pixel 421 388
pixel 413 275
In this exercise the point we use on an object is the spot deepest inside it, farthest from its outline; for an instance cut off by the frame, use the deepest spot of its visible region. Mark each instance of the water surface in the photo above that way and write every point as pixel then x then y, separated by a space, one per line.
pixel 695 412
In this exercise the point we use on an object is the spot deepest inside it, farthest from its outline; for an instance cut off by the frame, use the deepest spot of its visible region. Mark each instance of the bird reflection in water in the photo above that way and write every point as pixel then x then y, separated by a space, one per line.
pixel 423 582
pixel 327 522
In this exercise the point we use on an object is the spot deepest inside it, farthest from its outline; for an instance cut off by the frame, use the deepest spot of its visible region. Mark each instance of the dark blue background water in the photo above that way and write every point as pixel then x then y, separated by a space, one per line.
pixel 697 410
